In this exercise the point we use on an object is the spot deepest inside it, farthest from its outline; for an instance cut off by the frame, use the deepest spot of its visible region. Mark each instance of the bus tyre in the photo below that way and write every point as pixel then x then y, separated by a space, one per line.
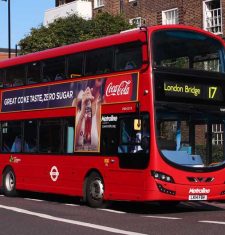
pixel 9 182
pixel 95 190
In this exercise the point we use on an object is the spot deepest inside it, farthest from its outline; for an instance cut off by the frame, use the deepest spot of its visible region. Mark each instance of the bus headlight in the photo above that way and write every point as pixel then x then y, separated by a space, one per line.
pixel 162 176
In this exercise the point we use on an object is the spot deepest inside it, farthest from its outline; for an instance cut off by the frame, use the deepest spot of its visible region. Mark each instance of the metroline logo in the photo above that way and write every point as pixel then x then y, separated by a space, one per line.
pixel 199 190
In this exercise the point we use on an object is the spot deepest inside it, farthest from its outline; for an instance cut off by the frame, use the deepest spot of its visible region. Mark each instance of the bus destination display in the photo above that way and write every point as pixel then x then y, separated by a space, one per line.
pixel 193 91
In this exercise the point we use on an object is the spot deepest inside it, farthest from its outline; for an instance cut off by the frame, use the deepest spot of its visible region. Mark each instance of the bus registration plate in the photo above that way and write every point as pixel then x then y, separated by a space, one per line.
pixel 197 197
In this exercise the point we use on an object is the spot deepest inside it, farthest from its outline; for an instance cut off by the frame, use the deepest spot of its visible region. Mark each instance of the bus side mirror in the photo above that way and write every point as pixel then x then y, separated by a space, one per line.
pixel 137 124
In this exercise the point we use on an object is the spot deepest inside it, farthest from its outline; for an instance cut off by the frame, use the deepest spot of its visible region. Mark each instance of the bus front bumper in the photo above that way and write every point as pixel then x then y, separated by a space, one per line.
pixel 176 192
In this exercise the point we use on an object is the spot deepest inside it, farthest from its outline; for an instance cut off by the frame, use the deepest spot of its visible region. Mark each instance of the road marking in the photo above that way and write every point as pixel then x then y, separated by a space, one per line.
pixel 2 195
pixel 113 211
pixel 212 222
pixel 32 199
pixel 69 221
pixel 71 205
pixel 161 217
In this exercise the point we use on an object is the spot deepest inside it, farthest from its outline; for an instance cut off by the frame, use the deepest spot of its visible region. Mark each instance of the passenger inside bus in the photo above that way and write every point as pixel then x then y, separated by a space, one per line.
pixel 17 145
pixel 130 65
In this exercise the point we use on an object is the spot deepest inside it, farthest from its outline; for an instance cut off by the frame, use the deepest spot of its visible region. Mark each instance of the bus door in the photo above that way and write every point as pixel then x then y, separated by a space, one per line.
pixel 129 142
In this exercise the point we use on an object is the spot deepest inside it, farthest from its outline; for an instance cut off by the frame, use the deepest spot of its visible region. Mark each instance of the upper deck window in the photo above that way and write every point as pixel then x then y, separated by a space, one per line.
pixel 15 76
pixel 54 69
pixel 189 50
pixel 99 61
pixel 75 65
pixel 33 73
pixel 122 57
pixel 128 56
pixel 2 77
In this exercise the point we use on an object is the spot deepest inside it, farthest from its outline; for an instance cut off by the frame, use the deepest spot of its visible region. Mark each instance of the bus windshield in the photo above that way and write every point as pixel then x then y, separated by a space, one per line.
pixel 191 137
pixel 187 50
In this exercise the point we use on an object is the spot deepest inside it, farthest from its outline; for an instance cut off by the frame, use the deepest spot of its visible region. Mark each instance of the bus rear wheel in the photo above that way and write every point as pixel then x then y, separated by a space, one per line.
pixel 9 182
pixel 95 190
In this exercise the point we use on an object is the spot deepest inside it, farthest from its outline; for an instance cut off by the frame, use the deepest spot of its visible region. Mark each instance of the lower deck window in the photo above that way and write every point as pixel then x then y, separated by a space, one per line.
pixel 38 136
pixel 11 136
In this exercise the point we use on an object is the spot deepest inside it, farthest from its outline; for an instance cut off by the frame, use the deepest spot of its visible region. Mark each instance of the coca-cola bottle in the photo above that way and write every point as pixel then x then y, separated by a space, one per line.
pixel 88 122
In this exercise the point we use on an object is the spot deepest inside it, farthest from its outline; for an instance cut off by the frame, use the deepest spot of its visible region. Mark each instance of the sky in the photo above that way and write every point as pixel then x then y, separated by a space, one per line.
pixel 25 14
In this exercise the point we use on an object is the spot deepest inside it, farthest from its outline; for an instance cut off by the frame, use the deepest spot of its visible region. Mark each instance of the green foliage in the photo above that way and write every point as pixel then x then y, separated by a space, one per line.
pixel 72 29
pixel 217 153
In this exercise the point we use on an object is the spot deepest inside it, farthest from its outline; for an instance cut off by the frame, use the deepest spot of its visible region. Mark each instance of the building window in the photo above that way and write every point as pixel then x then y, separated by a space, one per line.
pixel 217 130
pixel 138 21
pixel 212 16
pixel 170 16
pixel 98 3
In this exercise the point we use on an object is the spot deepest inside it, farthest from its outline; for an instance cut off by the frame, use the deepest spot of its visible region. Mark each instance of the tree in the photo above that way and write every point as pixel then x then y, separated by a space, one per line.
pixel 72 29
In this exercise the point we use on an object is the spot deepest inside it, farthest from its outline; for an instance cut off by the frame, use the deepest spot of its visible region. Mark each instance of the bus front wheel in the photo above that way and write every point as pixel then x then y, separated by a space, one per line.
pixel 95 190
pixel 9 182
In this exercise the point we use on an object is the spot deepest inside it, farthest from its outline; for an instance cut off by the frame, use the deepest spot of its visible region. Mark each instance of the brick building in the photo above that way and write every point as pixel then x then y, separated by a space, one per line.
pixel 206 14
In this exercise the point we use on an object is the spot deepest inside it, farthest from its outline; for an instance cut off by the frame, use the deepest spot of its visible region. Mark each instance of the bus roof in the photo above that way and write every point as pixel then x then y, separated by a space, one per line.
pixel 123 37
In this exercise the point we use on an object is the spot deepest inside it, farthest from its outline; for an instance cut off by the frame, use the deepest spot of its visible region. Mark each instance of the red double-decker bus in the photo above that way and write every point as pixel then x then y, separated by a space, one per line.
pixel 136 116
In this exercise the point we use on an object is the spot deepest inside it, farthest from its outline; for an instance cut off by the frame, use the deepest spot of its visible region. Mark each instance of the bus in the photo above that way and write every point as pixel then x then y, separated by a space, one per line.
pixel 136 116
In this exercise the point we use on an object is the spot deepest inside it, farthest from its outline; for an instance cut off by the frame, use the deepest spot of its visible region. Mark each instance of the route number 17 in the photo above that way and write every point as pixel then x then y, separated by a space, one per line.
pixel 212 92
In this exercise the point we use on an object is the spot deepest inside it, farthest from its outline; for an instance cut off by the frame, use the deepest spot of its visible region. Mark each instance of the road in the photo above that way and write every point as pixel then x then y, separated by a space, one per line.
pixel 40 214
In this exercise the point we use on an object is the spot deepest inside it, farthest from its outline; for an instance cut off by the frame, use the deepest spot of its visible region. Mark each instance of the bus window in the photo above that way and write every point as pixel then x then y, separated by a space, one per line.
pixel 30 136
pixel 11 137
pixel 187 50
pixel 53 69
pixel 99 61
pixel 15 76
pixel 69 135
pixel 128 56
pixel 34 73
pixel 133 148
pixel 50 136
pixel 75 65
pixel 191 139
pixel 2 77
pixel 134 140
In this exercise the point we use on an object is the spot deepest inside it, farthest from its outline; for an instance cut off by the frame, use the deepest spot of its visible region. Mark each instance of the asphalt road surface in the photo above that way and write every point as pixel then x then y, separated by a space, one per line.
pixel 41 214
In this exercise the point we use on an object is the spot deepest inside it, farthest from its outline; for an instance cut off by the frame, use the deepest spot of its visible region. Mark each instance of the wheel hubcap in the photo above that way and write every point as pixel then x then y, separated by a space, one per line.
pixel 97 189
pixel 10 181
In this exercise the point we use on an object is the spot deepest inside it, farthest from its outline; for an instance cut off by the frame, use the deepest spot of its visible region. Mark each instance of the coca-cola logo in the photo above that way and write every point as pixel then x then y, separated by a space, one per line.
pixel 119 89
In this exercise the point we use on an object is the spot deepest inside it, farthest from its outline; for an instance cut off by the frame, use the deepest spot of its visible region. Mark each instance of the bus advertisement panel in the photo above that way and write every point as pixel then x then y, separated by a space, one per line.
pixel 112 89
